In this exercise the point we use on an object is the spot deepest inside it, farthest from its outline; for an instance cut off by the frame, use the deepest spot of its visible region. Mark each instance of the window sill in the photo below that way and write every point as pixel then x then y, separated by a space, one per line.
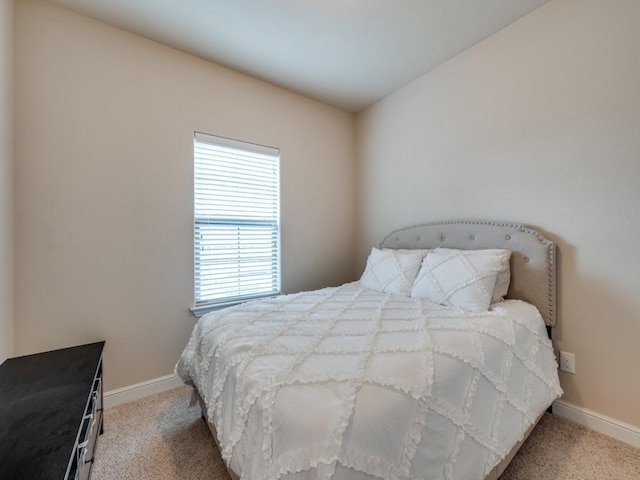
pixel 201 310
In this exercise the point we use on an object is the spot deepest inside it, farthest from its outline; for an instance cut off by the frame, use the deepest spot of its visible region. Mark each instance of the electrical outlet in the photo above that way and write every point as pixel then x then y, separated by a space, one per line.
pixel 567 362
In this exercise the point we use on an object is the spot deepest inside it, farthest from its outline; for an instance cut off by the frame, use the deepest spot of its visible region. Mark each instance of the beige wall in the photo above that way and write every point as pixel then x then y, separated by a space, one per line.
pixel 6 179
pixel 103 176
pixel 538 124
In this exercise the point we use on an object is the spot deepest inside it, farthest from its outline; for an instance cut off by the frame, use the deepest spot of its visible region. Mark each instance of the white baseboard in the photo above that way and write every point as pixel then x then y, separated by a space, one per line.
pixel 140 390
pixel 600 423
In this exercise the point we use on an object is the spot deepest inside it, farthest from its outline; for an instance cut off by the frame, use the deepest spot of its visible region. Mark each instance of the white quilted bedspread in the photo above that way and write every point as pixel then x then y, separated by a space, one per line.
pixel 349 383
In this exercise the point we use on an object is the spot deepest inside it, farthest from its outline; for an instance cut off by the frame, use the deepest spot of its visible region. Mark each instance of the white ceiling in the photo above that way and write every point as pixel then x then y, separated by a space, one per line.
pixel 347 53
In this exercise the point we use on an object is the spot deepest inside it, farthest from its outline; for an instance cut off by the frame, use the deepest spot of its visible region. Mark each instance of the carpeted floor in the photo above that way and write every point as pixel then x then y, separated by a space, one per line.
pixel 163 438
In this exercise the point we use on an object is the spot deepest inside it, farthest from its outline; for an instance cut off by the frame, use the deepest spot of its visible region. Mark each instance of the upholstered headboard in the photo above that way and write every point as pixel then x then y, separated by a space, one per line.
pixel 533 269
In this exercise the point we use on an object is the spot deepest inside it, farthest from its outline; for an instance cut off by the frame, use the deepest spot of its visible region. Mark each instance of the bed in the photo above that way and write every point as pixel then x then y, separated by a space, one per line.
pixel 425 374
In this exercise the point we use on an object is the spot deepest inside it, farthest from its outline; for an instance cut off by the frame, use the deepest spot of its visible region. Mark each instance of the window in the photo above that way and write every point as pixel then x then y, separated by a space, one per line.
pixel 237 221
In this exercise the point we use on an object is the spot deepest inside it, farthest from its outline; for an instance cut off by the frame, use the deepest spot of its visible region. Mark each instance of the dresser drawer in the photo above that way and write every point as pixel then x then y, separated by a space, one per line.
pixel 95 400
pixel 89 431
pixel 96 395
pixel 87 445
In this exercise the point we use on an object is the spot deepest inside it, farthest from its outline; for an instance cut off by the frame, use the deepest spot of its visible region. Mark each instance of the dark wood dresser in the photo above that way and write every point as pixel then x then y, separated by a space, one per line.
pixel 50 414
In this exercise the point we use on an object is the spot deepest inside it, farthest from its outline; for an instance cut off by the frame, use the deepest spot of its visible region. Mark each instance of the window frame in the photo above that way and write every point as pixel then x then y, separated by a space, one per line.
pixel 269 225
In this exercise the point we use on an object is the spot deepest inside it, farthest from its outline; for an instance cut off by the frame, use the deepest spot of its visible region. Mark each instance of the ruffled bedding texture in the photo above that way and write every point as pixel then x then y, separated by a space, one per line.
pixel 349 383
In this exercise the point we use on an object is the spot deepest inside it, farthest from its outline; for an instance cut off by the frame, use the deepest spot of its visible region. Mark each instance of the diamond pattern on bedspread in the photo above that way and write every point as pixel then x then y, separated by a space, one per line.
pixel 391 386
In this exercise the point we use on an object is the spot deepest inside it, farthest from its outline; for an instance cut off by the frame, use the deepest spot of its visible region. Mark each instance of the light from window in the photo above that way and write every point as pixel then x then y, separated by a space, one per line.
pixel 237 221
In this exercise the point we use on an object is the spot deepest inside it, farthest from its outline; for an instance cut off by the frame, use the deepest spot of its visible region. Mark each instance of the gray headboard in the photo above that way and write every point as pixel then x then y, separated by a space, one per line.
pixel 533 269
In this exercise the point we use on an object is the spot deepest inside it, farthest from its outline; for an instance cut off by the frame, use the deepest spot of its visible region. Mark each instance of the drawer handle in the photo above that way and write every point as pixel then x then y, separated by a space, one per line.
pixel 83 456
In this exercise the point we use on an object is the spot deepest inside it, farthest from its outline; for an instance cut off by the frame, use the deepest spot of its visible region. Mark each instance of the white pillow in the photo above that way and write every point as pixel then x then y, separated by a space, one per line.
pixel 390 271
pixel 504 274
pixel 460 279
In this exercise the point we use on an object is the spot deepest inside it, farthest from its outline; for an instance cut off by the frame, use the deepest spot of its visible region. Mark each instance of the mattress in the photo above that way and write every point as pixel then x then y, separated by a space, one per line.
pixel 349 383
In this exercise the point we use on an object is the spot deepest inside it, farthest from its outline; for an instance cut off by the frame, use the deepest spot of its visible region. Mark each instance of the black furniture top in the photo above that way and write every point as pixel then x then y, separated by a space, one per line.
pixel 43 398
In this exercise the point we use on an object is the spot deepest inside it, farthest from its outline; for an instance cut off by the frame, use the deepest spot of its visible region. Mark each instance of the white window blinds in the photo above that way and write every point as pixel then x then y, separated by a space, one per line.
pixel 237 224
